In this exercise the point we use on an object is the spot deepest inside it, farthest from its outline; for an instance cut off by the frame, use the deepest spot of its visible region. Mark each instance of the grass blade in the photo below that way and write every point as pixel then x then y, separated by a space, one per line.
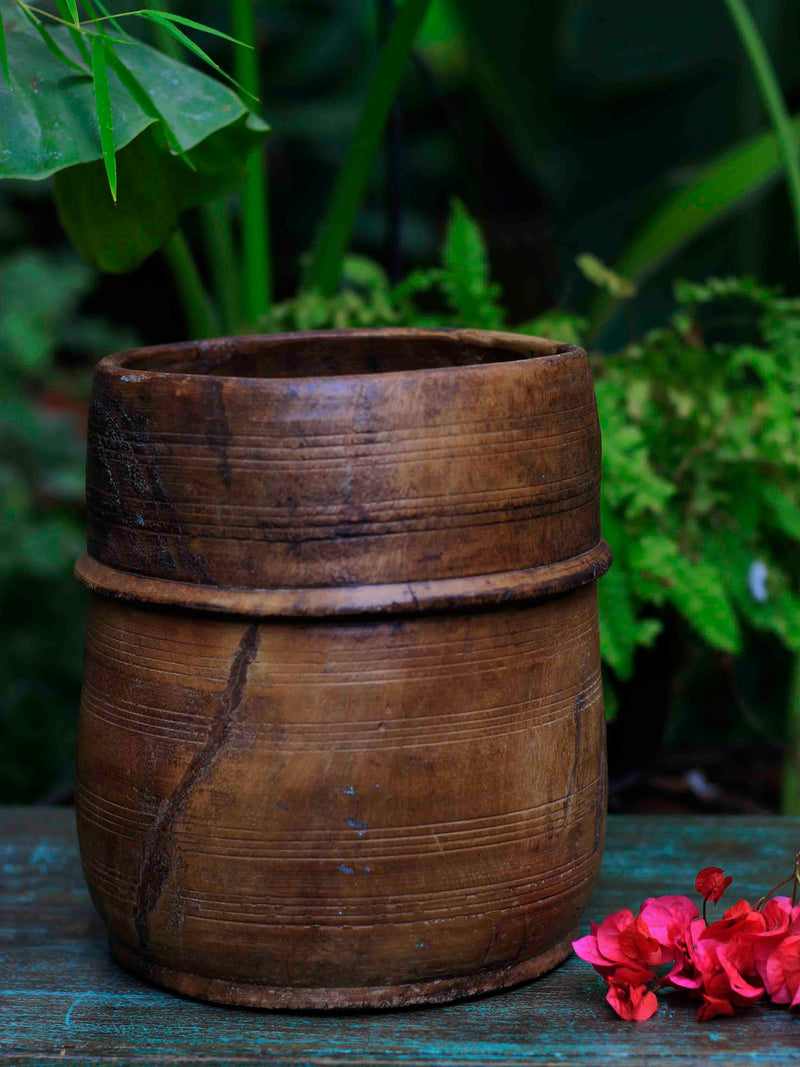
pixel 102 99
pixel 107 14
pixel 202 28
pixel 161 19
pixel 4 53
pixel 145 102
pixel 719 189
pixel 72 7
pixel 76 35
pixel 773 100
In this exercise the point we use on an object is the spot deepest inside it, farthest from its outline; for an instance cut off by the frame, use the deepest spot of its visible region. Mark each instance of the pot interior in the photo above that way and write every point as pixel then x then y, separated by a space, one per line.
pixel 334 353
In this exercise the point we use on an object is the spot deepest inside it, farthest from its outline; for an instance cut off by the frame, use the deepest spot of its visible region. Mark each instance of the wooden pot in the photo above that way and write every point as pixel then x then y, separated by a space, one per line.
pixel 342 740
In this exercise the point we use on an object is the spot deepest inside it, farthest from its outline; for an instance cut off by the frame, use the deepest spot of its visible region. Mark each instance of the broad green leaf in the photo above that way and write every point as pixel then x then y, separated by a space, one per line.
pixel 59 53
pixel 154 187
pixel 4 53
pixel 49 121
pixel 104 117
pixel 719 188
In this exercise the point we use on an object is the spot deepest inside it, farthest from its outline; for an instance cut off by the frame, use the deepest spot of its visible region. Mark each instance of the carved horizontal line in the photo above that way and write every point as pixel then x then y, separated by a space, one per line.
pixel 289 522
pixel 333 845
pixel 535 704
pixel 463 903
pixel 391 443
pixel 338 850
pixel 178 532
pixel 307 880
pixel 531 831
pixel 266 676
pixel 530 617
pixel 352 437
pixel 354 659
pixel 530 490
pixel 346 735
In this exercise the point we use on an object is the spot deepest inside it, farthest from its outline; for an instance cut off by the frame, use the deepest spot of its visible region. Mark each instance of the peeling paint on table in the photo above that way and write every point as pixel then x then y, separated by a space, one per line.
pixel 64 999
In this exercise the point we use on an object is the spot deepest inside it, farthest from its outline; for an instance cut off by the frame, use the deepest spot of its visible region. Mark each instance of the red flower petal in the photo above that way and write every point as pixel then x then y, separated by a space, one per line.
pixel 782 975
pixel 631 1002
pixel 713 1006
pixel 711 883
pixel 668 918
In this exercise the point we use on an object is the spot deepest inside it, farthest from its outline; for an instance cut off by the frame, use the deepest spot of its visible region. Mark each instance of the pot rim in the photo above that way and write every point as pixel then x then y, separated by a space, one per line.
pixel 470 592
pixel 521 349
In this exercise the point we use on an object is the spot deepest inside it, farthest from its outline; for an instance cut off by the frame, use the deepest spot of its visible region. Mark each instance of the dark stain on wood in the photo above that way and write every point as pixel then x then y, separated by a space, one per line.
pixel 157 853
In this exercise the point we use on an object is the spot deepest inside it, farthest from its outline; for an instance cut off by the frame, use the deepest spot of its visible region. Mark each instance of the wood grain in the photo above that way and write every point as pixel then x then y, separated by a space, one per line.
pixel 64 999
pixel 372 803
pixel 342 740
pixel 484 458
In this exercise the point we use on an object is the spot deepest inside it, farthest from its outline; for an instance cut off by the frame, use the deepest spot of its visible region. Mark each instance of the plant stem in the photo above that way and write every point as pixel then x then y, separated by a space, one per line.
pixel 391 156
pixel 257 276
pixel 773 100
pixel 222 262
pixel 334 234
pixel 790 799
pixel 200 315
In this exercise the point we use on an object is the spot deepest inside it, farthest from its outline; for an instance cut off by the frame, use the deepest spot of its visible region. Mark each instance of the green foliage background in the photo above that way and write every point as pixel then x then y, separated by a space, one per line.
pixel 593 148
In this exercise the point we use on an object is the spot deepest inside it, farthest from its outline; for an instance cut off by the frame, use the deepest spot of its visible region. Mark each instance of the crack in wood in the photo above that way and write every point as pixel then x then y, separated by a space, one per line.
pixel 157 853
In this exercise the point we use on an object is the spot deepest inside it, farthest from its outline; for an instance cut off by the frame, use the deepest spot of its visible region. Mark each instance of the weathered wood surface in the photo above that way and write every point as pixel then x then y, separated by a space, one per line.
pixel 64 999
pixel 398 805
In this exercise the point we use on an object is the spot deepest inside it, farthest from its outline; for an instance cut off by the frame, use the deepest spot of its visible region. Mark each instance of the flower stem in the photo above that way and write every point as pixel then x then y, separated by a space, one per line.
pixel 762 900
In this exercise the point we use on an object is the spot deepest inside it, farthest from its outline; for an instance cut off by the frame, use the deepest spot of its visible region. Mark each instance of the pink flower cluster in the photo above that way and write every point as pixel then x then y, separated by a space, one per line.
pixel 749 953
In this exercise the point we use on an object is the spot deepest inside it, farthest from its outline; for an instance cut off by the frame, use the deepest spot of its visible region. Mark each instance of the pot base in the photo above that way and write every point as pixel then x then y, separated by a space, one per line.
pixel 253 995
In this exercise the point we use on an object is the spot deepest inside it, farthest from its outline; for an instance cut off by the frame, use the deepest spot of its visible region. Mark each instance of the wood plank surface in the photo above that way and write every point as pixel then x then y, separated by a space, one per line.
pixel 63 999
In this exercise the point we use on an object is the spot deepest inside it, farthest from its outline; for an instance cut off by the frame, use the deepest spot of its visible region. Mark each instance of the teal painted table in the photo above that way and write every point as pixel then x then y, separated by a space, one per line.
pixel 63 999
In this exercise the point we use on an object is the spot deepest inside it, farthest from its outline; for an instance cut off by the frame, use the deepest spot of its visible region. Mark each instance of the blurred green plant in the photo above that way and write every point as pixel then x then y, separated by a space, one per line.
pixel 722 186
pixel 701 440
pixel 132 137
pixel 42 417
pixel 129 155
